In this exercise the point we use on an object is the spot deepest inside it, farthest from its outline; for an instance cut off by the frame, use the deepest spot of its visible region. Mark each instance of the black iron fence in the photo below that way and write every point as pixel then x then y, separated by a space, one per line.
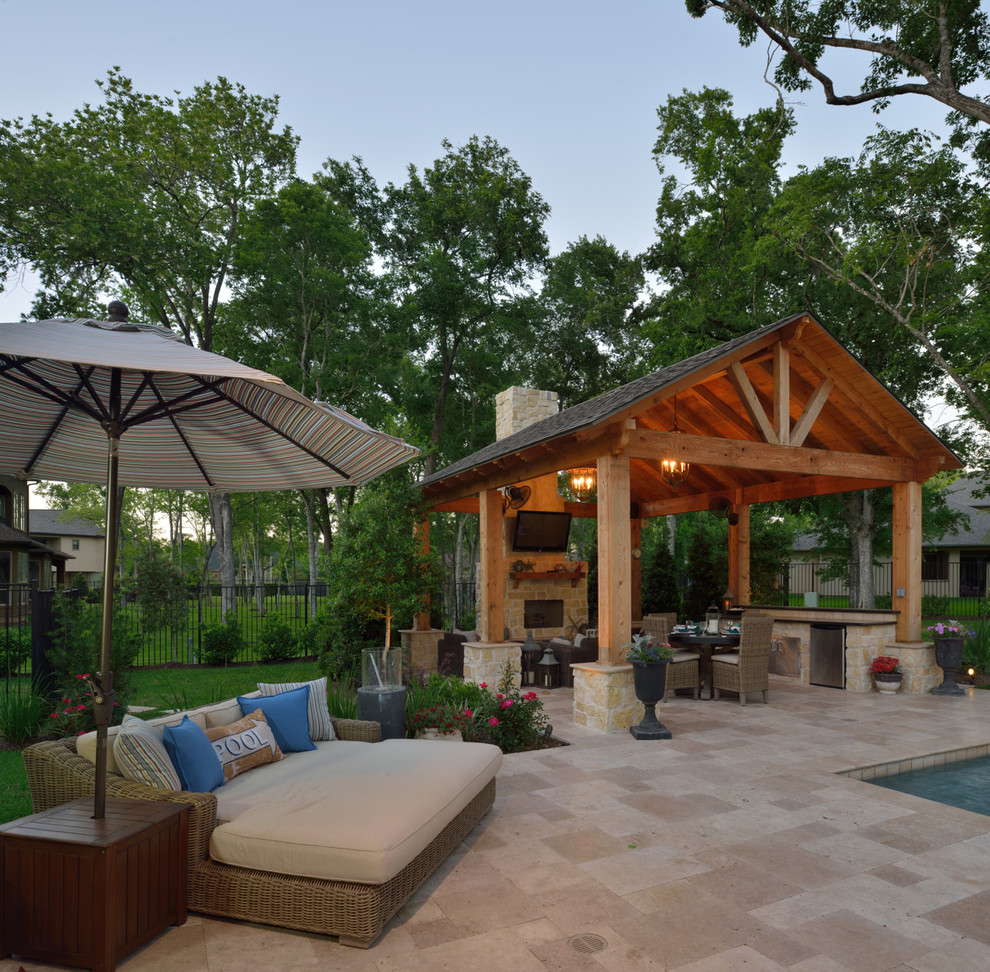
pixel 174 636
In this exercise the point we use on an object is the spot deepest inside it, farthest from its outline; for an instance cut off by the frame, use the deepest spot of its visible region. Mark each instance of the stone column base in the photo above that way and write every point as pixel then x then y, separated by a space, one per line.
pixel 604 697
pixel 420 647
pixel 484 661
pixel 917 661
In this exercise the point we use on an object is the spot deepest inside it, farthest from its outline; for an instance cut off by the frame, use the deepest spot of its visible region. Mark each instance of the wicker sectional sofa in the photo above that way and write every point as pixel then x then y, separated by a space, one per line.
pixel 332 841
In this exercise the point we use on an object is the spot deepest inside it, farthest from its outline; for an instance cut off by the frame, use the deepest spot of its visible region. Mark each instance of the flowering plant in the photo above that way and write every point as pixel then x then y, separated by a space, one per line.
pixel 950 629
pixel 443 718
pixel 644 650
pixel 512 720
pixel 74 715
pixel 885 665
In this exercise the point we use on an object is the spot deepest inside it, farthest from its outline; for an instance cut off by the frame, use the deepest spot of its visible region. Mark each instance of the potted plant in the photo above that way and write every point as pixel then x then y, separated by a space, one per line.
pixel 950 641
pixel 649 658
pixel 887 674
pixel 439 722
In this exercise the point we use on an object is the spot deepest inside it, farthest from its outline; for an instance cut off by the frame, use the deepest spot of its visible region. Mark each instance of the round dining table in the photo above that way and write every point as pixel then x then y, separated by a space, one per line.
pixel 706 645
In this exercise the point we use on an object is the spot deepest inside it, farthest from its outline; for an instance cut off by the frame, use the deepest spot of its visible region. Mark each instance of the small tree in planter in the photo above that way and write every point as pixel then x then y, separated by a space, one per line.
pixel 378 567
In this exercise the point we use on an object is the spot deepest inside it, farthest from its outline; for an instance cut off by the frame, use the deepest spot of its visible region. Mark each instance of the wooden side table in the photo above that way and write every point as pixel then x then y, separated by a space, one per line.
pixel 85 892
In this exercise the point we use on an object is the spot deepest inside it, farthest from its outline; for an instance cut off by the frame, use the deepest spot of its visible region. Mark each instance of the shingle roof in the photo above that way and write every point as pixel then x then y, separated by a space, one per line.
pixel 54 523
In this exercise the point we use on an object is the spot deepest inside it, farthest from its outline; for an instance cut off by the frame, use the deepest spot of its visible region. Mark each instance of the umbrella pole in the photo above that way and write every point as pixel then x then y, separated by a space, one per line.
pixel 103 682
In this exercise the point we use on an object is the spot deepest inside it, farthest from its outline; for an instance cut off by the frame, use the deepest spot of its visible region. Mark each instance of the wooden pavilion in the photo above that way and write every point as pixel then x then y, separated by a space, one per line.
pixel 780 413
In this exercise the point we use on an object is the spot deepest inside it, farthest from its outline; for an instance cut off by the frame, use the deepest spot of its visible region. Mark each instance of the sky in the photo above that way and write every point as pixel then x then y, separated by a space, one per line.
pixel 570 89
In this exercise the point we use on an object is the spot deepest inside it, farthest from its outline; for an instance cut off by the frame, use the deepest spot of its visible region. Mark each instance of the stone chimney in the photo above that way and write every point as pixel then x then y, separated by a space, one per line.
pixel 516 408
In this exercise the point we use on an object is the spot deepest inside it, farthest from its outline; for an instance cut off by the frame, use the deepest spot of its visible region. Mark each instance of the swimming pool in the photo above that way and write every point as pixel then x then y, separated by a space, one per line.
pixel 964 783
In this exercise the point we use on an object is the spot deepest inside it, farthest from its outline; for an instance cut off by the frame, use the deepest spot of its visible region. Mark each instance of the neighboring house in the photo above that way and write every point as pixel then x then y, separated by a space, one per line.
pixel 79 539
pixel 954 565
pixel 23 560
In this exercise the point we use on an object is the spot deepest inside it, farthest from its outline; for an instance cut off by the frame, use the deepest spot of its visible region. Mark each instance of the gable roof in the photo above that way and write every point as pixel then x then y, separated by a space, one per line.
pixel 850 427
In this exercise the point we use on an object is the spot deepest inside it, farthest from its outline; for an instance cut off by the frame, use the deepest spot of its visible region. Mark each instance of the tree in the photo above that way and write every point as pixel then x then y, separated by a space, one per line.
pixel 901 228
pixel 588 338
pixel 717 282
pixel 933 48
pixel 659 589
pixel 462 240
pixel 378 570
pixel 145 195
pixel 707 569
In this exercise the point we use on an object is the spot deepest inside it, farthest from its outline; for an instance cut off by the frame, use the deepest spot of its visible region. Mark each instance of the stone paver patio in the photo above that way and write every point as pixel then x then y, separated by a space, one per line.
pixel 735 845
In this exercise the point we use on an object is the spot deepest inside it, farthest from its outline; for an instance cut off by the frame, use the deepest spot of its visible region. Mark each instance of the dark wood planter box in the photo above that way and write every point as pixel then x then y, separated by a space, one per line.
pixel 85 892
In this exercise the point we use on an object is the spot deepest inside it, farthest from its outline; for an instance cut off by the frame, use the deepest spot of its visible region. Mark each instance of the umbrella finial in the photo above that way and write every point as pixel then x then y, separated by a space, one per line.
pixel 117 311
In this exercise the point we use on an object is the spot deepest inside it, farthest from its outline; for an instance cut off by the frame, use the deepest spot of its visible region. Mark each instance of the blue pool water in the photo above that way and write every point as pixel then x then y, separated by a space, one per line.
pixel 964 784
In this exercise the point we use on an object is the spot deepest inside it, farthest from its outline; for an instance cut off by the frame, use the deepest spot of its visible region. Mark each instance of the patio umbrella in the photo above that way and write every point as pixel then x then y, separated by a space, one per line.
pixel 124 404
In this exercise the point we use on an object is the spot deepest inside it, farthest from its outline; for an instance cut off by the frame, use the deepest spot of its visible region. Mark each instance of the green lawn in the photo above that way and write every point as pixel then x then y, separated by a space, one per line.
pixel 15 799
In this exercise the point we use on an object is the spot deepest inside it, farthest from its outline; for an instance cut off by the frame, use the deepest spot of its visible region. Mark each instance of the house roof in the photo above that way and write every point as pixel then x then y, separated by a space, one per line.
pixel 17 539
pixel 739 409
pixel 56 523
pixel 959 495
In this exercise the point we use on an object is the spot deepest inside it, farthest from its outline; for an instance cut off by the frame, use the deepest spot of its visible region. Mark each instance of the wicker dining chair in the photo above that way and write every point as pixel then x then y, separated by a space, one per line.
pixel 683 671
pixel 748 668
pixel 658 625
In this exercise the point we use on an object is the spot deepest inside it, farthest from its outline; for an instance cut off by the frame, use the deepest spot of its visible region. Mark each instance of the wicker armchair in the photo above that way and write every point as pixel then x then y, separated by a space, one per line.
pixel 683 671
pixel 659 625
pixel 746 670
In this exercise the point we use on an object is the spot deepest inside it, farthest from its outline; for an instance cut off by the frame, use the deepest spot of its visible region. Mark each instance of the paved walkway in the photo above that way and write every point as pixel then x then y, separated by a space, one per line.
pixel 735 845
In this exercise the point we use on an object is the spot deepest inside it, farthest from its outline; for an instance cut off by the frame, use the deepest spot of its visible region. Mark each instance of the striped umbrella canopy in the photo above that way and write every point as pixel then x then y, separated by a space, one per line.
pixel 124 404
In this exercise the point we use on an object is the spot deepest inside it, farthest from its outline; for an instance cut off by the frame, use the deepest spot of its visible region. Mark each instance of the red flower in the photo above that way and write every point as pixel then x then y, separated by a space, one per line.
pixel 493 721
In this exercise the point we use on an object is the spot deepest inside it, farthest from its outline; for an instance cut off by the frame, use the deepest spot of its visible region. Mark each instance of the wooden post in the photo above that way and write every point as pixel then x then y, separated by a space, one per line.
pixel 614 555
pixel 739 556
pixel 491 617
pixel 421 622
pixel 906 569
pixel 636 568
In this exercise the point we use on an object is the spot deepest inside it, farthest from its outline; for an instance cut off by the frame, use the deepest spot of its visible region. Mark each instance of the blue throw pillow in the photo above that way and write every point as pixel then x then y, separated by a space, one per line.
pixel 193 756
pixel 288 715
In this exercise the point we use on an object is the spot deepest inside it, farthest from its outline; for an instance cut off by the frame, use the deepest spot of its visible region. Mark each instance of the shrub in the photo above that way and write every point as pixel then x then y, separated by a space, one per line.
pixel 443 718
pixel 933 606
pixel 73 713
pixel 75 647
pixel 22 714
pixel 15 648
pixel 512 720
pixel 276 640
pixel 222 643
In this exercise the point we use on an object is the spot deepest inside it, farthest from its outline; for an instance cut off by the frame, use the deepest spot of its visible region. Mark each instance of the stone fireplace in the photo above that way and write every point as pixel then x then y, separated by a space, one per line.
pixel 545 593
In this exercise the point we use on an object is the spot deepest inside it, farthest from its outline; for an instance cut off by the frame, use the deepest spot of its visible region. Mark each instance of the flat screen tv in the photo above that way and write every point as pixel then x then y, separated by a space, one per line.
pixel 541 532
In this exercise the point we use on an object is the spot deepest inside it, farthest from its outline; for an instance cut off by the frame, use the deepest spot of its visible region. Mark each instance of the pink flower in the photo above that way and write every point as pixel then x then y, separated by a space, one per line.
pixel 499 695
pixel 469 713
pixel 493 721
pixel 483 685
pixel 506 703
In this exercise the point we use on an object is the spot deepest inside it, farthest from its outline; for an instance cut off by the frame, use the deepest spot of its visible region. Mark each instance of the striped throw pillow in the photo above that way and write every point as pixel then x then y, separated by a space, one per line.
pixel 141 756
pixel 320 726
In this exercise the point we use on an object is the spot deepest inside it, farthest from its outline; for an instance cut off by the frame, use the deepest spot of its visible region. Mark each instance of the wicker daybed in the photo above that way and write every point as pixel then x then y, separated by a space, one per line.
pixel 355 912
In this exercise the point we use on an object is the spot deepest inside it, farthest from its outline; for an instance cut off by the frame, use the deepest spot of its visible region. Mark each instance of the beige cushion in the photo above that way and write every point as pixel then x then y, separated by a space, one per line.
pixel 728 658
pixel 222 713
pixel 244 744
pixel 684 656
pixel 349 811
pixel 86 744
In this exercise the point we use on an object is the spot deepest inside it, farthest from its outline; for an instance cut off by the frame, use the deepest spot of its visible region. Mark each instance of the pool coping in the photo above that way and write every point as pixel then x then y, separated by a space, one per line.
pixel 926 761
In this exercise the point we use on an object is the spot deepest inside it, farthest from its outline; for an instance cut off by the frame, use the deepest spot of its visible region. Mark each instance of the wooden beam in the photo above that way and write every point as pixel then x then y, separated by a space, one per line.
pixel 796 488
pixel 906 560
pixel 751 402
pixel 812 409
pixel 782 393
pixel 739 575
pixel 735 453
pixel 467 505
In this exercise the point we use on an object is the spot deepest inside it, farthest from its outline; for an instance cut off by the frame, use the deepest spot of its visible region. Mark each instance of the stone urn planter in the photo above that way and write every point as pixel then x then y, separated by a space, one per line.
pixel 649 682
pixel 887 684
pixel 948 657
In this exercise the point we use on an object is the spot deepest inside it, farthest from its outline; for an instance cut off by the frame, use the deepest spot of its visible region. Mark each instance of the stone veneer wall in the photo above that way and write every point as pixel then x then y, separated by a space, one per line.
pixel 543 589
pixel 864 642
pixel 604 697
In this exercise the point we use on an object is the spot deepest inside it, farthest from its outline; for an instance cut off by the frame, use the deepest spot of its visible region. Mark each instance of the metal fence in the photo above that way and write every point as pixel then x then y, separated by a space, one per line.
pixel 948 589
pixel 181 640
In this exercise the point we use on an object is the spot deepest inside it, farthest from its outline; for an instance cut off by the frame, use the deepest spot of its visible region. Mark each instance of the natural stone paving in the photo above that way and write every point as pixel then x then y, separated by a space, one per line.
pixel 733 845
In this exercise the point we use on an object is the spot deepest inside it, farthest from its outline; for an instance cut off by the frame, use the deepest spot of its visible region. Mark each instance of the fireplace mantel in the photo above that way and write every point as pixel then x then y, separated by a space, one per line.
pixel 572 575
